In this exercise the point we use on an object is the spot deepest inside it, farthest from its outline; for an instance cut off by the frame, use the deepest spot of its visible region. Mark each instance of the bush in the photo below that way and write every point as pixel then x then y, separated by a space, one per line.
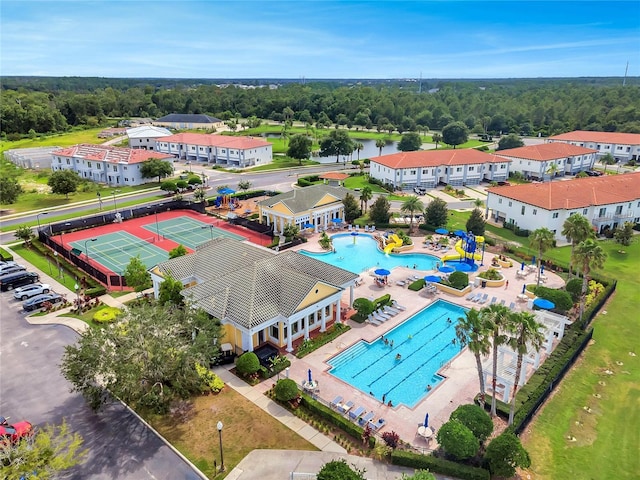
pixel 505 453
pixel 5 256
pixel 106 315
pixel 210 382
pixel 574 287
pixel 339 470
pixel 438 465
pixel 475 419
pixel 457 440
pixel 310 345
pixel 391 439
pixel 364 306
pixel 458 280
pixel 247 364
pixel 560 298
pixel 417 285
pixel 382 301
pixel 491 274
pixel 286 390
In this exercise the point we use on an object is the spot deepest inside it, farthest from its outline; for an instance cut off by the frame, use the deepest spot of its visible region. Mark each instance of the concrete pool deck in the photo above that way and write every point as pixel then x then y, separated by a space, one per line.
pixel 461 382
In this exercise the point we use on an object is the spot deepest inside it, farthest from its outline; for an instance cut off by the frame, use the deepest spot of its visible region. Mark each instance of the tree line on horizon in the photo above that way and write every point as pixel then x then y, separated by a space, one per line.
pixel 525 107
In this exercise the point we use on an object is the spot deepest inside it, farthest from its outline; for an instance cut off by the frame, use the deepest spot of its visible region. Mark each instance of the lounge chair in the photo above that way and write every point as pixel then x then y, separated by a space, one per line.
pixel 388 311
pixel 373 228
pixel 476 298
pixel 493 300
pixel 471 295
pixel 345 407
pixel 350 227
pixel 512 306
pixel 502 302
pixel 366 228
pixel 380 315
pixel 394 311
pixel 484 299
pixel 362 421
pixel 397 305
pixel 377 425
pixel 354 414
pixel 336 401
pixel 372 320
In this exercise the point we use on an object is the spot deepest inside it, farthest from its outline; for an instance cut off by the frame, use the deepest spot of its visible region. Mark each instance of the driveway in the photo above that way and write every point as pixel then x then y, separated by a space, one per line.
pixel 32 388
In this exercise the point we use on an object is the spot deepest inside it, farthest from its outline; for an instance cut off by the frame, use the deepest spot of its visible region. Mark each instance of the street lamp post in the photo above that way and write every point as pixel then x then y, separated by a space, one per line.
pixel 76 287
pixel 221 456
pixel 99 199
pixel 115 205
pixel 38 219
pixel 55 254
pixel 62 238
pixel 86 248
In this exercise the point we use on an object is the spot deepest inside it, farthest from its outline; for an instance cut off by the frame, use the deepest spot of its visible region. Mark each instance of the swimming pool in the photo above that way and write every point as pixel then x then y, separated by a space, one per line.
pixel 361 253
pixel 424 343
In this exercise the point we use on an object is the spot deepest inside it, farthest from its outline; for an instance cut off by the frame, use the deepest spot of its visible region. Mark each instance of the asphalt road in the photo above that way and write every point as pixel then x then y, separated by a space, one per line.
pixel 32 388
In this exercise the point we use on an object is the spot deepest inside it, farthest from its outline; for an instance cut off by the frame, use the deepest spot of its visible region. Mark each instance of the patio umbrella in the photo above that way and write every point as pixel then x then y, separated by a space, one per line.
pixel 337 220
pixel 533 260
pixel 524 288
pixel 432 278
pixel 544 303
pixel 442 231
pixel 307 225
pixel 446 269
pixel 522 266
pixel 460 233
pixel 382 272
pixel 541 269
pixel 354 235
pixel 426 420
pixel 309 372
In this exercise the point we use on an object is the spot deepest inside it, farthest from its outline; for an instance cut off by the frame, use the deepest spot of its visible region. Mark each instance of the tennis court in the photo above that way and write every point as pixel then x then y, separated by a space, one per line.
pixel 188 231
pixel 114 250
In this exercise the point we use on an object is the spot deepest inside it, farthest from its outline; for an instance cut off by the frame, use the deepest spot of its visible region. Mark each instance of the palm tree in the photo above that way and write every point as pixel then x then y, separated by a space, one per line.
pixel 472 331
pixel 576 229
pixel 542 240
pixel 411 205
pixel 552 170
pixel 527 334
pixel 496 318
pixel 589 255
pixel 380 143
pixel 607 160
pixel 436 138
pixel 358 146
pixel 478 203
pixel 365 195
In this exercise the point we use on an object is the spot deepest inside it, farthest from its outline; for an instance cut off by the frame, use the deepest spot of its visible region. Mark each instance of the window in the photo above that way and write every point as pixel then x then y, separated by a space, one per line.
pixel 618 209
pixel 99 166
pixel 68 161
pixel 471 169
pixel 274 332
pixel 115 168
pixel 510 204
pixel 555 215
pixel 584 212
pixel 535 211
pixel 499 200
pixel 602 212
pixel 89 164
pixel 425 171
pixel 59 160
pixel 125 168
pixel 522 210
pixel 459 169
pixel 413 172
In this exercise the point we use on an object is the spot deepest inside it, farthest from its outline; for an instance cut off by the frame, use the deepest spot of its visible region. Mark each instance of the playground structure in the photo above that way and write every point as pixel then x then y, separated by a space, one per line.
pixel 392 241
pixel 466 248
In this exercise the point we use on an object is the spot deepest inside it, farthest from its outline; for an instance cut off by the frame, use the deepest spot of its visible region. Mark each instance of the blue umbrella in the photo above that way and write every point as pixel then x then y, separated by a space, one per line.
pixel 541 268
pixel 354 234
pixel 460 233
pixel 383 272
pixel 533 260
pixel 442 231
pixel 307 225
pixel 426 420
pixel 226 191
pixel 432 278
pixel 337 220
pixel 309 376
pixel 524 287
pixel 544 303
pixel 446 269
pixel 522 266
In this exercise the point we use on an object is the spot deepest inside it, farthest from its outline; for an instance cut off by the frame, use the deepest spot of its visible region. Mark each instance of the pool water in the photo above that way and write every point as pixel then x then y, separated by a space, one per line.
pixel 424 343
pixel 360 253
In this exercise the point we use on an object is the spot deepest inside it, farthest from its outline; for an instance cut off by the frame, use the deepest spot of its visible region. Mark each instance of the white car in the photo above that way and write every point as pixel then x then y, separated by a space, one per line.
pixel 32 290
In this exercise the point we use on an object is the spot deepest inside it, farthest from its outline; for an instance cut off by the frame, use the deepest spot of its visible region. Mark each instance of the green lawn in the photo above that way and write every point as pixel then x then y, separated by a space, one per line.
pixel 46 265
pixel 61 140
pixel 606 440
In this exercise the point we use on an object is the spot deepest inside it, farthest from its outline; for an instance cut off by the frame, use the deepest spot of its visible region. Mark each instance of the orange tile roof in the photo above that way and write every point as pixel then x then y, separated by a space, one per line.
pixel 435 158
pixel 576 193
pixel 545 151
pixel 334 176
pixel 209 140
pixel 110 154
pixel 599 137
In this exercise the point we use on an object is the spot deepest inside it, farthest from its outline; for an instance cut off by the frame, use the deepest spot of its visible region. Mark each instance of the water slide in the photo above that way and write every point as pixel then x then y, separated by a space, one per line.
pixel 462 254
pixel 393 242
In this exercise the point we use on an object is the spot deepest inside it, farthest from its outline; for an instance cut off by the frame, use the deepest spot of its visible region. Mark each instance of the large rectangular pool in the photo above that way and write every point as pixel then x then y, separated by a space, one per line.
pixel 403 366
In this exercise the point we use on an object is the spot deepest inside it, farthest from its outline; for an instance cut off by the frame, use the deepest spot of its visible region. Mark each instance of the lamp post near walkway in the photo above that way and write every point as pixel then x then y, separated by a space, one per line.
pixel 221 456
pixel 86 248
pixel 115 205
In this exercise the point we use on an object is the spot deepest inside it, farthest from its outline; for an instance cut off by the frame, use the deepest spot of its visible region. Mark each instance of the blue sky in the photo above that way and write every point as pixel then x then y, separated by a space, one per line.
pixel 319 39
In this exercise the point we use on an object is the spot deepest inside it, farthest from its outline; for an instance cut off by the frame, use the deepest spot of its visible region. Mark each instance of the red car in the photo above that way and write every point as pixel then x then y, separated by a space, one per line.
pixel 15 431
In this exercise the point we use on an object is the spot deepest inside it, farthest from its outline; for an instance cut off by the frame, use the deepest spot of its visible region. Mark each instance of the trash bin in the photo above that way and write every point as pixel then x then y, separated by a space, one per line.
pixel 483 283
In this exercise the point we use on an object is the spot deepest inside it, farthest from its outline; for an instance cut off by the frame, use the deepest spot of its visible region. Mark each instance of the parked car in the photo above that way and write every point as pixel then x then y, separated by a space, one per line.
pixel 16 431
pixel 28 291
pixel 10 268
pixel 593 173
pixel 420 190
pixel 503 184
pixel 38 301
pixel 17 279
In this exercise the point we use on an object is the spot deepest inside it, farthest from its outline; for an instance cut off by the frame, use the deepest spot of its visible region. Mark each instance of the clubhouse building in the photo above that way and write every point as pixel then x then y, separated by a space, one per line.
pixel 428 168
pixel 258 295
pixel 607 201
pixel 220 150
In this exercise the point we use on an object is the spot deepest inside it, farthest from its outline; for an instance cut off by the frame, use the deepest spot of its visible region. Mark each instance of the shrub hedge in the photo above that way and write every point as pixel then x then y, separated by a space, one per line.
pixel 560 298
pixel 335 418
pixel 5 256
pixel 417 285
pixel 438 465
pixel 308 346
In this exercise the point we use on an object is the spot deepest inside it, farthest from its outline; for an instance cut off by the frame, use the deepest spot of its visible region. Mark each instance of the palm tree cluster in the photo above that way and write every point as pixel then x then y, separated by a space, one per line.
pixel 485 330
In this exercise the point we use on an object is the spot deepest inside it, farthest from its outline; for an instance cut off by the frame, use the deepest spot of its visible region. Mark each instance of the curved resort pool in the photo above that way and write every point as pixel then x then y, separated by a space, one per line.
pixel 360 253
pixel 424 343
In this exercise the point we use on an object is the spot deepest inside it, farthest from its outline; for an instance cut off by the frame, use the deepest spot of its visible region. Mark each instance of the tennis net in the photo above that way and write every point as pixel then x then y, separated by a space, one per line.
pixel 126 249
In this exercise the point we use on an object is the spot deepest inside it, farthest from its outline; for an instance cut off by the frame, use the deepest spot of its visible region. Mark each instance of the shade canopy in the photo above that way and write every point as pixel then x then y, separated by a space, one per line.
pixel 544 303
pixel 383 272
pixel 432 278
pixel 336 220
pixel 354 234
pixel 307 225
pixel 460 233
pixel 226 191
pixel 463 267
pixel 442 231
pixel 446 269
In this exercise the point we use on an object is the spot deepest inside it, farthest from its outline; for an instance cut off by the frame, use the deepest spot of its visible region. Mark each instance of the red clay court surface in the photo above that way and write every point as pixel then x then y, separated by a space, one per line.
pixel 135 227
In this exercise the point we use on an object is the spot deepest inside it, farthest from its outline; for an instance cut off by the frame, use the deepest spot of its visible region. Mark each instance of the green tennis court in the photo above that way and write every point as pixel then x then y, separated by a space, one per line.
pixel 114 250
pixel 188 232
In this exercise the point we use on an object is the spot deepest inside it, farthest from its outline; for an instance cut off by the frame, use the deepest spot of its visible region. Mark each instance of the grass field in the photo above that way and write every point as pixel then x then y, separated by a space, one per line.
pixel 246 427
pixel 61 140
